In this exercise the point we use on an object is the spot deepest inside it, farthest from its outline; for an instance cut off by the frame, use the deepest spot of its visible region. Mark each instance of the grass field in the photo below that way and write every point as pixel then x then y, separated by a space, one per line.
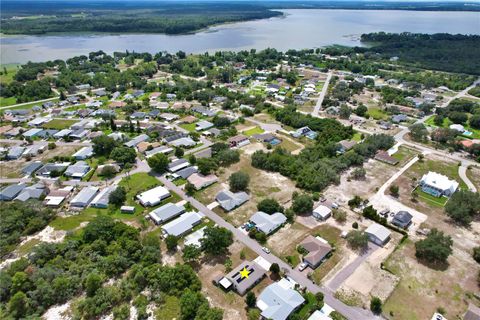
pixel 30 105
pixel 446 123
pixel 188 126
pixel 377 113
pixel 169 310
pixel 59 124
pixel 403 155
pixel 253 131
pixel 11 71
pixel 5 102
pixel 434 201
pixel 448 169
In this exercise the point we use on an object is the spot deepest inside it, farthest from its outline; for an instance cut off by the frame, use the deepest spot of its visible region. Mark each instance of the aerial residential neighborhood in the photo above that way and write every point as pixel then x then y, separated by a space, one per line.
pixel 329 183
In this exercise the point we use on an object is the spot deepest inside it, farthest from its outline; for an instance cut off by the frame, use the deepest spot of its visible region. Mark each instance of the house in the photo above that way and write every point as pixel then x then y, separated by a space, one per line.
pixel 153 196
pixel 399 118
pixel 62 133
pixel 34 149
pixel 318 250
pixel 204 111
pixel 79 134
pixel 238 141
pixel 402 219
pixel 101 200
pixel 84 153
pixel 137 93
pixel 304 131
pixel 186 172
pixel 77 170
pixel 473 313
pixel 182 224
pixel 229 200
pixel 84 197
pixel 56 168
pixel 383 156
pixel 10 192
pixel 117 104
pixel 168 116
pixel 199 181
pixel 384 125
pixel 203 125
pixel 47 133
pixel 205 153
pixel 32 132
pixel 457 127
pixel 438 185
pixel 346 145
pixel 166 212
pixel 15 153
pixel 38 121
pixel 56 197
pixel 32 192
pixel 279 300
pixel 138 115
pixel 183 142
pixel 127 209
pixel 378 234
pixel 214 131
pixel 137 140
pixel 117 136
pixel 234 280
pixel 188 119
pixel 161 149
pixel 267 138
pixel 171 96
pixel 153 114
pixel 31 167
pixel 322 212
pixel 268 223
pixel 178 164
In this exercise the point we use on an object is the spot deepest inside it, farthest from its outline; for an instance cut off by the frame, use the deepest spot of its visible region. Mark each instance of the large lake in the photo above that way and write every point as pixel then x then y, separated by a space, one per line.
pixel 298 29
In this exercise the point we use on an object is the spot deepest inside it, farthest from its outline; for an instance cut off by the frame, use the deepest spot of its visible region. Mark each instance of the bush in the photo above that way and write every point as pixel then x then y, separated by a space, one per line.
pixel 339 215
pixel 171 242
pixel 394 190
pixel 51 145
pixel 376 305
pixel 355 225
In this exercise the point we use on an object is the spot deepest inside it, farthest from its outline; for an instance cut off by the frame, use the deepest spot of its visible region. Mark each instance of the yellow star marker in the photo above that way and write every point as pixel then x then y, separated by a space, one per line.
pixel 244 273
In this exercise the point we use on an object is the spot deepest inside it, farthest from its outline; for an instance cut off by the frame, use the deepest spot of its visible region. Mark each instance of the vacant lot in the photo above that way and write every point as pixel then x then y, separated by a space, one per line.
pixel 474 175
pixel 421 290
pixel 263 184
pixel 59 124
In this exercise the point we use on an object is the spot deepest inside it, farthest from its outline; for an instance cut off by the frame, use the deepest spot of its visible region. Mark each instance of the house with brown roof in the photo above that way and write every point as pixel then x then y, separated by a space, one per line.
pixel 383 156
pixel 318 250
pixel 238 141
pixel 117 104
pixel 188 119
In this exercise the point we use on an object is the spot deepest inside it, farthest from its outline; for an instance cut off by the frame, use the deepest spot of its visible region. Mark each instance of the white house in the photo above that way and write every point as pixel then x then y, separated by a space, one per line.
pixel 322 212
pixel 438 185
pixel 153 196
pixel 378 234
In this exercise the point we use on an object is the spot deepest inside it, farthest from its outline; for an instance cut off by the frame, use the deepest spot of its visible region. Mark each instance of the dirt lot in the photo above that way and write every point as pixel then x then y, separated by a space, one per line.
pixel 377 174
pixel 262 185
pixel 474 175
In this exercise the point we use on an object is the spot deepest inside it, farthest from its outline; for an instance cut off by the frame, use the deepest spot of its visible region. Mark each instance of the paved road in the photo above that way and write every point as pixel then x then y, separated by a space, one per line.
pixel 25 103
pixel 352 313
pixel 316 110
pixel 340 277
pixel 462 172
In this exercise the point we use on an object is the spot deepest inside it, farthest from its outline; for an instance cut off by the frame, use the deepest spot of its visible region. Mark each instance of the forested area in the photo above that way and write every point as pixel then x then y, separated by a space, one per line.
pixel 84 263
pixel 446 52
pixel 156 19
pixel 20 219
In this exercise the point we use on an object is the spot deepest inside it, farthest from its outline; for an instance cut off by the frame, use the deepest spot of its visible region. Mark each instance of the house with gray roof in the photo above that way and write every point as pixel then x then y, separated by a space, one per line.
pixel 182 224
pixel 161 149
pixel 46 133
pixel 79 134
pixel 186 172
pixel 32 192
pixel 77 170
pixel 204 111
pixel 135 141
pixel 178 164
pixel 378 234
pixel 402 219
pixel 234 280
pixel 62 133
pixel 101 200
pixel 268 223
pixel 31 167
pixel 229 200
pixel 84 153
pixel 84 197
pixel 10 192
pixel 32 132
pixel 15 153
pixel 48 168
pixel 166 212
pixel 279 300
pixel 203 125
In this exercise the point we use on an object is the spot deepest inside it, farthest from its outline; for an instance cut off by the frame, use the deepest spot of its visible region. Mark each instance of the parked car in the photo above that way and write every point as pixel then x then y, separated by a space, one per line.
pixel 302 266
pixel 266 250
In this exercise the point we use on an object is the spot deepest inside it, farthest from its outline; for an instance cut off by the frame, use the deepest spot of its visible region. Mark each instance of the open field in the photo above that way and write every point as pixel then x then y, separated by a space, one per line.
pixel 263 184
pixel 4 102
pixel 446 123
pixel 473 174
pixel 11 69
pixel 59 124
pixel 253 131
pixel 29 105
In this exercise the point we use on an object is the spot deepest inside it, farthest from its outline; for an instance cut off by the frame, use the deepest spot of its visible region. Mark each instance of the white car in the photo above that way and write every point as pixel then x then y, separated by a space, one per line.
pixel 266 250
pixel 302 266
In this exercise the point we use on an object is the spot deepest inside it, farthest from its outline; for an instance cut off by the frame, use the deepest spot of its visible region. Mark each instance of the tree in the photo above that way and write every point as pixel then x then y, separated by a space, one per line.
pixel 302 204
pixel 206 165
pixel 103 145
pixel 18 305
pixel 190 189
pixel 179 152
pixel 51 145
pixel 253 314
pixel 107 171
pixel 359 173
pixel 192 159
pixel 92 284
pixel 118 196
pixel 463 207
pixel 339 215
pixel 361 110
pixel 190 303
pixel 345 111
pixel 171 241
pixel 123 155
pixel 101 227
pixel 158 162
pixel 357 240
pixel 475 121
pixel 239 181
pixel 394 190
pixel 275 268
pixel 216 240
pixel 376 305
pixel 435 248
pixel 191 253
pixel 269 205
pixel 250 299
pixel 476 254
pixel 418 132
pixel 458 117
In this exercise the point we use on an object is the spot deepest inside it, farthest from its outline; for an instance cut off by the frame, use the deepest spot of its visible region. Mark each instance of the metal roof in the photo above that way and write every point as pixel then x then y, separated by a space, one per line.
pixel 267 223
pixel 277 301
pixel 11 191
pixel 83 198
pixel 182 224
pixel 166 212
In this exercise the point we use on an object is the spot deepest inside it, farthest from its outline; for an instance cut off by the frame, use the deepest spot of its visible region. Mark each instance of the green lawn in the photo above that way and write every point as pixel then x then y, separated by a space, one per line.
pixel 11 71
pixel 428 198
pixel 377 113
pixel 169 310
pixel 188 126
pixel 446 123
pixel 403 155
pixel 4 102
pixel 357 136
pixel 30 105
pixel 59 124
pixel 251 132
pixel 308 307
pixel 448 169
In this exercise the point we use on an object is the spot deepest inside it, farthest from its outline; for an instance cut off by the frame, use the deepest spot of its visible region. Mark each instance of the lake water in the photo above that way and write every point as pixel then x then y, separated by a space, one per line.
pixel 298 29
